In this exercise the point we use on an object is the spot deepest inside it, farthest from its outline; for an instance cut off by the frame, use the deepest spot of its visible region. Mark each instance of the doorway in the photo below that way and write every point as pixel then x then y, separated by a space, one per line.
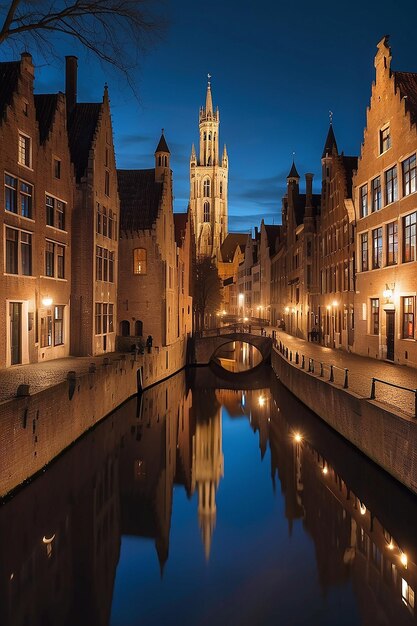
pixel 390 334
pixel 15 312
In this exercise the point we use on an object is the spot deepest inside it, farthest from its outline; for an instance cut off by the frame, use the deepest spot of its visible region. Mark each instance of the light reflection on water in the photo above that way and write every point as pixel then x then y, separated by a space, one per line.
pixel 237 356
pixel 209 506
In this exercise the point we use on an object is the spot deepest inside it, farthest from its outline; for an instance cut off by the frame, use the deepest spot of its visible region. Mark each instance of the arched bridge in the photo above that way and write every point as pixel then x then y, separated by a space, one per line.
pixel 205 347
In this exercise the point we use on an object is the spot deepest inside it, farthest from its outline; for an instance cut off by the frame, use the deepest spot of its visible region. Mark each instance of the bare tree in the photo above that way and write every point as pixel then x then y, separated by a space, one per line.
pixel 113 30
pixel 207 291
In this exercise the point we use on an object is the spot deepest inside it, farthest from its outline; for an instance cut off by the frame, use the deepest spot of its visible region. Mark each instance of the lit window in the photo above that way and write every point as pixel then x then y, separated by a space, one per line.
pixel 409 237
pixel 384 139
pixel 364 252
pixel 18 252
pixel 409 175
pixel 408 317
pixel 392 243
pixel 363 193
pixel 58 325
pixel 139 261
pixel 407 595
pixel 376 194
pixel 374 316
pixel 24 150
pixel 55 212
pixel 377 248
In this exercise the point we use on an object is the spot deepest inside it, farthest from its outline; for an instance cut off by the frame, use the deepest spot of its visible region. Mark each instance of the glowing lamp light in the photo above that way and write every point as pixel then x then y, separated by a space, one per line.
pixel 298 437
pixel 47 301
pixel 48 540
pixel 390 545
pixel 261 400
pixel 335 303
pixel 328 307
pixel 404 559
pixel 387 293
pixel 362 509
pixel 287 309
pixel 325 470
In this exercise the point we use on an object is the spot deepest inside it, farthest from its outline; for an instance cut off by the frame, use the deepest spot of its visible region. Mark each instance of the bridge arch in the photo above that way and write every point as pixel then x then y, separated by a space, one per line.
pixel 206 347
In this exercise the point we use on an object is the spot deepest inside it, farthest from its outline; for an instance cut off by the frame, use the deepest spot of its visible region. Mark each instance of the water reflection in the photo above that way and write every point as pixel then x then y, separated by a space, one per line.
pixel 154 472
pixel 237 356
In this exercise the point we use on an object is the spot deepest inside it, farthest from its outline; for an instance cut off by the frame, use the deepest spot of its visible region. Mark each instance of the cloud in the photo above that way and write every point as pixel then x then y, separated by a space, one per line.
pixel 125 141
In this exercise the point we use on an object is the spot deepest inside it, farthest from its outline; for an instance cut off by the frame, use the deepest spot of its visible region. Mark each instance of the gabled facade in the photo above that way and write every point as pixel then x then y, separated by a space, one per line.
pixel 208 185
pixel 386 217
pixel 36 207
pixel 232 254
pixel 95 235
pixel 148 285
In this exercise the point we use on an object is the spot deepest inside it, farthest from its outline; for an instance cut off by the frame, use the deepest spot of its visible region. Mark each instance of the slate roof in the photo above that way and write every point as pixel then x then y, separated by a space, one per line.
pixel 272 232
pixel 9 76
pixel 406 82
pixel 140 198
pixel 162 145
pixel 180 226
pixel 293 172
pixel 350 164
pixel 229 245
pixel 45 105
pixel 82 124
pixel 330 143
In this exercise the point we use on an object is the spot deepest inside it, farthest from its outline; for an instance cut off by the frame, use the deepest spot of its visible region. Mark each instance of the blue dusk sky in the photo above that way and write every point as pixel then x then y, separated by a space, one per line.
pixel 277 69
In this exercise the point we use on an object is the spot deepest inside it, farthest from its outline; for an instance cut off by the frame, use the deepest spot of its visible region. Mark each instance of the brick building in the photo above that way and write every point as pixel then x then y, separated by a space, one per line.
pixel 386 217
pixel 36 209
pixel 95 224
pixel 185 253
pixel 148 281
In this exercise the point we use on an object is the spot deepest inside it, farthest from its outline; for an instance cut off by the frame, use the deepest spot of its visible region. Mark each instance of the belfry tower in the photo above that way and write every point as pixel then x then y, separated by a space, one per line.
pixel 208 184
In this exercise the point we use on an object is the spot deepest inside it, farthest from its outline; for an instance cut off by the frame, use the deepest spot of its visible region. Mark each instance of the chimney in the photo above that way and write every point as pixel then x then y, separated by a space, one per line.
pixel 71 65
pixel 309 195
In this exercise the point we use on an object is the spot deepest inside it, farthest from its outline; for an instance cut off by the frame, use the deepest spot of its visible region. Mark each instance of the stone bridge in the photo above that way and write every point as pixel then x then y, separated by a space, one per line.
pixel 204 348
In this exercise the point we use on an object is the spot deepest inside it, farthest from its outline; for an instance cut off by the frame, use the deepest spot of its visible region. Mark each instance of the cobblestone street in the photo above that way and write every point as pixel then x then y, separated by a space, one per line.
pixel 361 371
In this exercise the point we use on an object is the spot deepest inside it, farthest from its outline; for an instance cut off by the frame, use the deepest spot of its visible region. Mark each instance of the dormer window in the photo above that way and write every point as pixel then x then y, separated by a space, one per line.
pixel 25 156
pixel 384 139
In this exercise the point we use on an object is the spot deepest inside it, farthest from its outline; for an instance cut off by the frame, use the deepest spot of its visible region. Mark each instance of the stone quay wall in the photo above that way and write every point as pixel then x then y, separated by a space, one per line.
pixel 34 429
pixel 386 436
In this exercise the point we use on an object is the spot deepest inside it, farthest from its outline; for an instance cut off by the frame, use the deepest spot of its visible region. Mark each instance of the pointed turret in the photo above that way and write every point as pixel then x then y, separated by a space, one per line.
pixel 330 144
pixel 224 157
pixel 293 172
pixel 162 155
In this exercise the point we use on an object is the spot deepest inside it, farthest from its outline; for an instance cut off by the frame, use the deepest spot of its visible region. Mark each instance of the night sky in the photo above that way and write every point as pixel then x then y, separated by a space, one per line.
pixel 277 69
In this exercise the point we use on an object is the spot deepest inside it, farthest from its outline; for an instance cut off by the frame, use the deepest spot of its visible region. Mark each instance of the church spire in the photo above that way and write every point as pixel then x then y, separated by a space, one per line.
pixel 330 144
pixel 209 101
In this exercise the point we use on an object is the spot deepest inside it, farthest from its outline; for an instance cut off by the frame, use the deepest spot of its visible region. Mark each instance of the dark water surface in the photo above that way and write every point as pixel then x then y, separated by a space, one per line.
pixel 202 505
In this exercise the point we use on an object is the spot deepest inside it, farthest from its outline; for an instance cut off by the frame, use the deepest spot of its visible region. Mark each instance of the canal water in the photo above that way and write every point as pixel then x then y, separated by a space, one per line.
pixel 197 505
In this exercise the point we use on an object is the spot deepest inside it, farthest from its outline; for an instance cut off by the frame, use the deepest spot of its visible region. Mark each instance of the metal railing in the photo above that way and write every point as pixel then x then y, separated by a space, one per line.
pixel 317 367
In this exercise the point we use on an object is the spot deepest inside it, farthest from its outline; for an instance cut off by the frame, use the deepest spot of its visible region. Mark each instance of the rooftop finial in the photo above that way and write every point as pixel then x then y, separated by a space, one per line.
pixel 162 130
pixel 331 117
pixel 208 79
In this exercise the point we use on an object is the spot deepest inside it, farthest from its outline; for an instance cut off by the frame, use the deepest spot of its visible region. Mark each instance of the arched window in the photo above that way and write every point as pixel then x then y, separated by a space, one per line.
pixel 209 160
pixel 138 328
pixel 221 189
pixel 205 136
pixel 214 137
pixel 125 328
pixel 140 261
pixel 206 216
pixel 207 188
pixel 166 161
pixel 209 136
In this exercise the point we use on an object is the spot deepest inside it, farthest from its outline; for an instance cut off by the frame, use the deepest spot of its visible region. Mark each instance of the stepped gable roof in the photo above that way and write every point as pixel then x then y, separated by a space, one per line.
pixel 300 205
pixel 350 163
pixel 140 198
pixel 82 124
pixel 229 245
pixel 330 143
pixel 162 145
pixel 406 82
pixel 45 105
pixel 272 233
pixel 9 76
pixel 180 226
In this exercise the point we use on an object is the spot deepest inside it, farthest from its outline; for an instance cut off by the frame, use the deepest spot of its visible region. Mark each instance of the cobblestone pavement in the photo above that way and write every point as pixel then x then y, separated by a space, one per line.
pixel 361 370
pixel 42 375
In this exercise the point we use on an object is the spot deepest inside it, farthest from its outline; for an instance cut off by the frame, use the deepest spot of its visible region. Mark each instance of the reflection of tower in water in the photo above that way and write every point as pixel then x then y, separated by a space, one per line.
pixel 208 464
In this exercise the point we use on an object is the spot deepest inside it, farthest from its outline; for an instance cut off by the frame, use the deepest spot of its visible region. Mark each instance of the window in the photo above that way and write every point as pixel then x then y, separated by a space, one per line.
pixel 98 219
pixel 49 258
pixel 407 595
pixel 55 212
pixel 221 189
pixel 377 248
pixel 57 168
pixel 392 243
pixel 376 194
pixel 46 329
pixel 363 200
pixel 206 188
pixel 391 185
pixel 409 175
pixel 409 234
pixel 18 252
pixel 206 211
pixel 374 316
pixel 24 150
pixel 104 318
pixel 139 261
pixel 384 139
pixel 60 255
pixel 364 252
pixel 98 318
pixel 58 325
pixel 10 193
pixel 107 183
pixel 26 192
pixel 408 317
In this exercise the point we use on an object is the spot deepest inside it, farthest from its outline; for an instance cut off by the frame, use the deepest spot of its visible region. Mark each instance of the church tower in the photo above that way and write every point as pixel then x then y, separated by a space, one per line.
pixel 208 184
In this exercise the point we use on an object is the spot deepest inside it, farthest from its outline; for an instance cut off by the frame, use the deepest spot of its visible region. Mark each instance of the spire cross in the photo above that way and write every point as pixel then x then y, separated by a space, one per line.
pixel 162 129
pixel 209 76
pixel 331 117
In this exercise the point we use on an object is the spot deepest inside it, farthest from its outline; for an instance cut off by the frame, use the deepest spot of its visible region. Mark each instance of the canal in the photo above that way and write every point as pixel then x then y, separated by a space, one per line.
pixel 197 504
